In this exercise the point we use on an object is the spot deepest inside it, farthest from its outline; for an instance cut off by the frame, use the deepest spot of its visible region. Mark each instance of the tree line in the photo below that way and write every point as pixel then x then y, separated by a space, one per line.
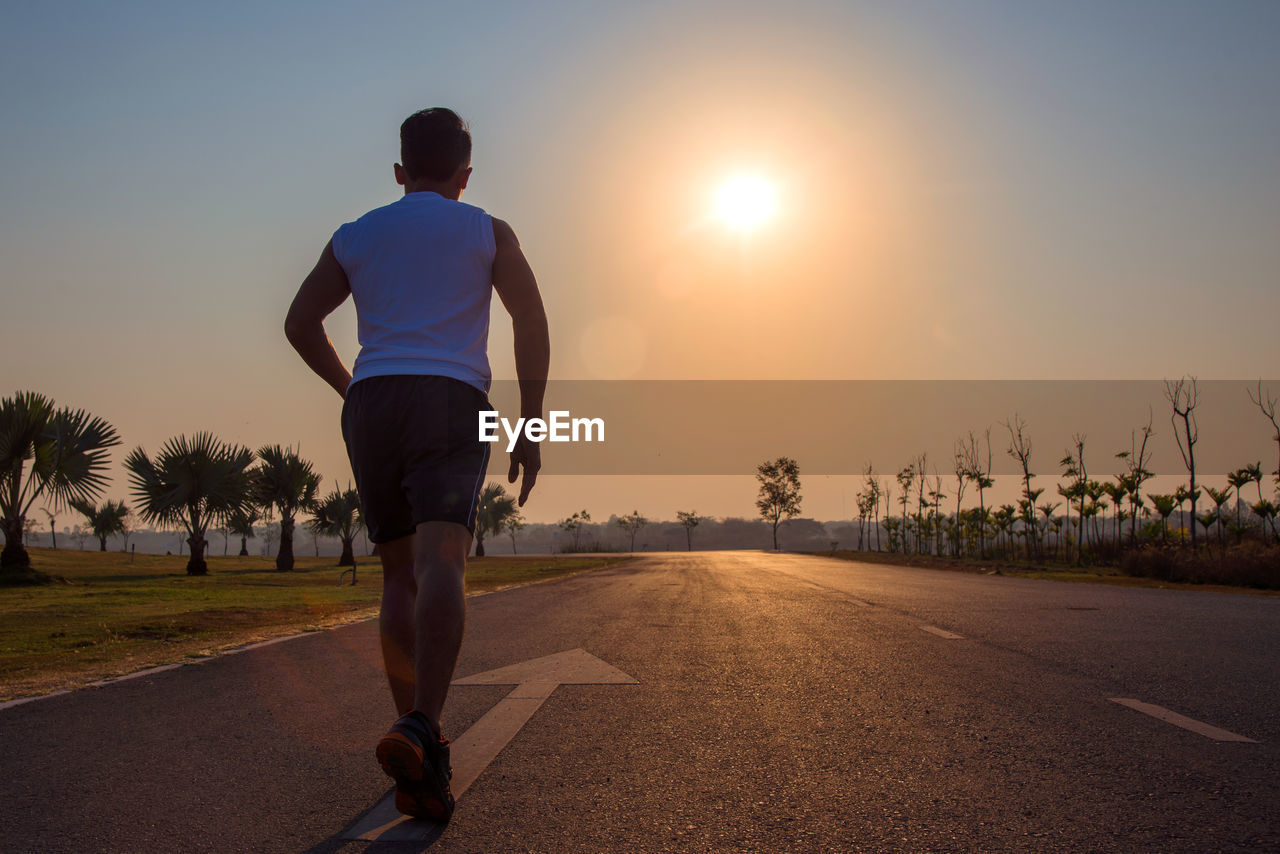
pixel 1099 518
pixel 58 455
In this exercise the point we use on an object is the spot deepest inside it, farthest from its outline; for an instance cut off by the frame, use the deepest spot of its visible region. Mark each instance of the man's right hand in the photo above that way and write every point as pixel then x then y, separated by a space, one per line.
pixel 529 455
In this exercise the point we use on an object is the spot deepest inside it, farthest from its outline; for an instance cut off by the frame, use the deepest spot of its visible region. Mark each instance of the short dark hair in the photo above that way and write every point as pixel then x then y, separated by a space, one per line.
pixel 434 144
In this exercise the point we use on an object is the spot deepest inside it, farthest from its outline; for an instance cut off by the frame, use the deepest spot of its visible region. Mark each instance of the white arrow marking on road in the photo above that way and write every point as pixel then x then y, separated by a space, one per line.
pixel 1171 717
pixel 472 751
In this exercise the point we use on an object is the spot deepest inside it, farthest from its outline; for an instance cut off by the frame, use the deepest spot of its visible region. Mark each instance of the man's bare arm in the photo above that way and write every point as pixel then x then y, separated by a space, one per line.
pixel 323 290
pixel 516 286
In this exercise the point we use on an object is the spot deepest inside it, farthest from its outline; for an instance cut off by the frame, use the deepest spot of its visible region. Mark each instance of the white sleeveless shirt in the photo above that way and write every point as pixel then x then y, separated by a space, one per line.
pixel 421 275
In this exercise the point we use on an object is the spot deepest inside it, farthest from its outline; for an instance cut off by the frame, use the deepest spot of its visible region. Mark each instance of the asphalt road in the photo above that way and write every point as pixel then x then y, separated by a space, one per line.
pixel 784 703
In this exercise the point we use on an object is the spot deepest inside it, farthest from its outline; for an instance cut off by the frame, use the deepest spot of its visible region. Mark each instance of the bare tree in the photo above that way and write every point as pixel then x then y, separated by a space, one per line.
pixel 921 504
pixel 873 491
pixel 1073 467
pixel 1268 406
pixel 1183 397
pixel 978 469
pixel 961 470
pixel 905 478
pixel 1136 474
pixel 1020 449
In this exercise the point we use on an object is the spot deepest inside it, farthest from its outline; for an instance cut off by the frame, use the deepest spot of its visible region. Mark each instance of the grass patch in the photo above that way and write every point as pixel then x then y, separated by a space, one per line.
pixel 106 615
pixel 1053 572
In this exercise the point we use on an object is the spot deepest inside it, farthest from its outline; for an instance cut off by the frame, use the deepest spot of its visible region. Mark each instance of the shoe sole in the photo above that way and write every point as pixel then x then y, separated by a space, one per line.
pixel 402 760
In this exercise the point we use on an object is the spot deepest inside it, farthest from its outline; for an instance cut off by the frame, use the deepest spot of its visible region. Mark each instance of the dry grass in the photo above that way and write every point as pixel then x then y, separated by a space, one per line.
pixel 106 614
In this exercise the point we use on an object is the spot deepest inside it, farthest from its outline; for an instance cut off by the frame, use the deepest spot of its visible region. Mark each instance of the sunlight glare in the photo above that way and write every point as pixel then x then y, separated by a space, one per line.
pixel 745 201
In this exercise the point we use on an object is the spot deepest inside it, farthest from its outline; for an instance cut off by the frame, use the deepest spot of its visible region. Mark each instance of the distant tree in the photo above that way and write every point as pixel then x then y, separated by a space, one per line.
pixel 191 484
pixel 513 524
pixel 240 523
pixel 270 533
pixel 1116 492
pixel 936 495
pixel 338 515
pixel 572 525
pixel 690 520
pixel 1183 397
pixel 871 492
pixel 104 521
pixel 493 509
pixel 1237 480
pixel 960 469
pixel 1266 511
pixel 1267 405
pixel 1047 510
pixel 1164 505
pixel 1020 450
pixel 1254 473
pixel 80 536
pixel 978 469
pixel 779 495
pixel 906 478
pixel 288 484
pixel 1136 473
pixel 53 525
pixel 631 524
pixel 67 451
pixel 1077 489
pixel 1219 497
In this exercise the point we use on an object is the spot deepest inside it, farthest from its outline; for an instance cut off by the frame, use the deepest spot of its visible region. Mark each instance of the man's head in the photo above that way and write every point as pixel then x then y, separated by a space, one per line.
pixel 435 152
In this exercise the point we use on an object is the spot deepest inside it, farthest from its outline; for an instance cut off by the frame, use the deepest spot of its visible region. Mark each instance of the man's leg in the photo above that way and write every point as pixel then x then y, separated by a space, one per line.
pixel 440 561
pixel 423 612
pixel 399 592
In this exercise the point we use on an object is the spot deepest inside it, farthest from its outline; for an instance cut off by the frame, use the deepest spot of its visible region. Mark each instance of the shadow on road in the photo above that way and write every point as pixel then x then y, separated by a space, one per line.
pixel 423 834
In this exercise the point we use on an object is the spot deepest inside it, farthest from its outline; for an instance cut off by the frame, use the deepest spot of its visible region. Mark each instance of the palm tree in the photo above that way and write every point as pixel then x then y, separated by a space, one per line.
pixel 191 483
pixel 241 522
pixel 1236 480
pixel 1164 505
pixel 104 521
pixel 1047 510
pixel 1266 511
pixel 53 525
pixel 287 483
pixel 1255 474
pixel 494 508
pixel 338 515
pixel 68 453
pixel 1219 497
pixel 1116 492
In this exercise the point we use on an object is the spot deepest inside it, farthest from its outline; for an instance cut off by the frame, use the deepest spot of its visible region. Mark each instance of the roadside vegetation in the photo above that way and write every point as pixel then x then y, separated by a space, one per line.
pixel 1201 533
pixel 109 613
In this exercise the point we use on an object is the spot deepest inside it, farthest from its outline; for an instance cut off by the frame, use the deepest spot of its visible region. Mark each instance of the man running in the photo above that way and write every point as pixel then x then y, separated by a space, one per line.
pixel 420 271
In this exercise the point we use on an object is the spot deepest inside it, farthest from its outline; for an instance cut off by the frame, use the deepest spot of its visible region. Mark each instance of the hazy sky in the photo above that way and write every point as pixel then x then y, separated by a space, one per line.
pixel 966 190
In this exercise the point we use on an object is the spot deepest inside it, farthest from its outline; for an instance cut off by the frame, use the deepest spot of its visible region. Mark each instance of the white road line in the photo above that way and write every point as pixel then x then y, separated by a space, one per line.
pixel 1171 717
pixel 942 633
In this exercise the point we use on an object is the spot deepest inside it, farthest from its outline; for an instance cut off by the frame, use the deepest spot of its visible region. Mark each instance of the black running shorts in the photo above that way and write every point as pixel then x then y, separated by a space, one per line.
pixel 415 451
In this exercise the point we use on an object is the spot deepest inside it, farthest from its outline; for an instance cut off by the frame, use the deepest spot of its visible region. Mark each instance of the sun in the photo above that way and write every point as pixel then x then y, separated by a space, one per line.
pixel 745 202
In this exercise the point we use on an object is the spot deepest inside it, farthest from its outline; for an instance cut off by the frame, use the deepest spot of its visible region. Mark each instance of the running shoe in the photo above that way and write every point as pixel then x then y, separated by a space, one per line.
pixel 414 755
